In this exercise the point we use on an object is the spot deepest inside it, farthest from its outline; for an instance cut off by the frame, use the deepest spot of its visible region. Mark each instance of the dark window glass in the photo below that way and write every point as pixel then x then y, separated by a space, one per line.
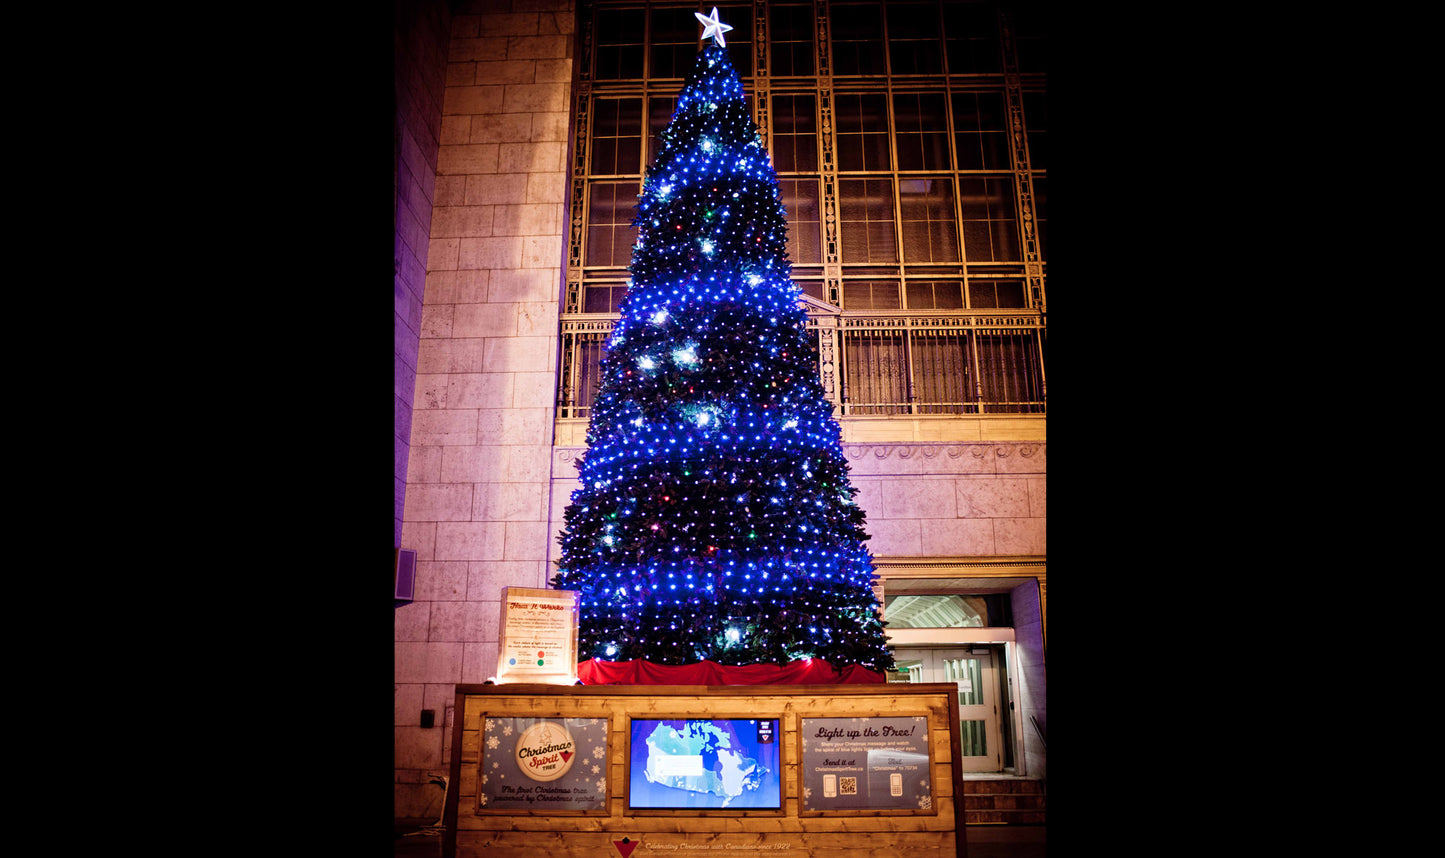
pixel 920 128
pixel 980 126
pixel 939 364
pixel 675 42
pixel 871 295
pixel 1036 123
pixel 865 222
pixel 792 34
pixel 805 234
pixel 659 113
pixel 1031 37
pixel 856 31
pixel 739 38
pixel 995 294
pixel 589 348
pixel 931 295
pixel 677 38
pixel 602 297
pixel 913 43
pixel 862 124
pixel 990 223
pixel 610 233
pixel 1008 372
pixel 616 136
pixel 813 288
pixel 874 372
pixel 795 134
pixel 930 227
pixel 618 53
pixel 971 34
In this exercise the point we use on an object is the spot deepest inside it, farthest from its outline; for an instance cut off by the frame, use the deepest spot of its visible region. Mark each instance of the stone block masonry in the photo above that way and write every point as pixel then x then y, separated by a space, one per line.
pixel 478 485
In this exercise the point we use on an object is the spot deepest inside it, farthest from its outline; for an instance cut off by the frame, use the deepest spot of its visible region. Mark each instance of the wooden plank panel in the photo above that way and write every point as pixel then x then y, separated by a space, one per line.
pixel 730 834
pixel 544 844
pixel 855 823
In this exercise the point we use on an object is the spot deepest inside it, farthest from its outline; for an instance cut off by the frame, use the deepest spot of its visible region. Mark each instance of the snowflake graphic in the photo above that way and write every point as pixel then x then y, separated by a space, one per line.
pixel 493 742
pixel 507 730
pixel 598 751
pixel 596 769
pixel 602 784
pixel 491 725
pixel 484 799
pixel 925 802
pixel 807 792
pixel 484 778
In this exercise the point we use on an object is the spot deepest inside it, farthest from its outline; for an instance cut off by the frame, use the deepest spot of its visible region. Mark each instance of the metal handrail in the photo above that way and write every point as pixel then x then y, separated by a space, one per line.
pixel 1039 730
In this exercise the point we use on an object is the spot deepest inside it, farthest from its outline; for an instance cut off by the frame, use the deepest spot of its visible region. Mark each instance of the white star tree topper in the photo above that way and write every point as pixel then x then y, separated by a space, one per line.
pixel 712 27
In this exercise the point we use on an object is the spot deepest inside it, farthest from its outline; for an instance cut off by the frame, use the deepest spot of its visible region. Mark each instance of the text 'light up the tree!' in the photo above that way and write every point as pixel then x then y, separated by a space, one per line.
pixel 715 519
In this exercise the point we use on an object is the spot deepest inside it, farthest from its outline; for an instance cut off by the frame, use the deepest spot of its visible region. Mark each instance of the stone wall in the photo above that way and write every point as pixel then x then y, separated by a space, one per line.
pixel 950 500
pixel 419 51
pixel 1030 674
pixel 476 494
pixel 923 500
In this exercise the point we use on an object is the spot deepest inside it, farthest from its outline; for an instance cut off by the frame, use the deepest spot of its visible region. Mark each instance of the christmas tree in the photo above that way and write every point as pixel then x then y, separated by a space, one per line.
pixel 715 519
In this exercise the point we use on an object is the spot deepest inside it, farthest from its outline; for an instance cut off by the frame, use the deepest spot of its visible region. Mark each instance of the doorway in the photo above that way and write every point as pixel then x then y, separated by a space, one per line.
pixel 975 670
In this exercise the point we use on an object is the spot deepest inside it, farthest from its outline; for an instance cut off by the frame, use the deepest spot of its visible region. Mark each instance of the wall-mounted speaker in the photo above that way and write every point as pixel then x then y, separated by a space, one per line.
pixel 405 579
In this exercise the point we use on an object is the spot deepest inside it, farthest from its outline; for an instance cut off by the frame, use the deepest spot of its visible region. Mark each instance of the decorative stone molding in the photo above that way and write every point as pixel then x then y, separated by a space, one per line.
pixel 926 454
pixel 954 566
pixel 909 449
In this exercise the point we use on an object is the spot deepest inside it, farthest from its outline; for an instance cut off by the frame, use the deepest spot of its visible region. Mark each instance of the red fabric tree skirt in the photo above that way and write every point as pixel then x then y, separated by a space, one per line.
pixel 810 671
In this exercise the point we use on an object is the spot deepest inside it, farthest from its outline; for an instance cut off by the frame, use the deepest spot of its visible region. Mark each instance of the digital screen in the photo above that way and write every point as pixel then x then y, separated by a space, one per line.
pixel 724 763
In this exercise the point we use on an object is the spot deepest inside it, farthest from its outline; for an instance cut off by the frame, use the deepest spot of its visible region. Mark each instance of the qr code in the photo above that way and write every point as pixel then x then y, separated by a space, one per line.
pixel 848 786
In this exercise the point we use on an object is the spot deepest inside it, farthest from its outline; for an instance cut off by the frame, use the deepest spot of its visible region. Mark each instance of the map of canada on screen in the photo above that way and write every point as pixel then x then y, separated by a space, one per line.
pixel 705 763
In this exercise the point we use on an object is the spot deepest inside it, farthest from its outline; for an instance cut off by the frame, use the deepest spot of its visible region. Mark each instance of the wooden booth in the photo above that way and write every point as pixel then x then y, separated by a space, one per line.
pixel 638 771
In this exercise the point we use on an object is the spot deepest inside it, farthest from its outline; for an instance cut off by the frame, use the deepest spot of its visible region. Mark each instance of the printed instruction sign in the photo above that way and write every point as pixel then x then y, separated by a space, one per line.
pixel 539 636
pixel 866 763
pixel 543 765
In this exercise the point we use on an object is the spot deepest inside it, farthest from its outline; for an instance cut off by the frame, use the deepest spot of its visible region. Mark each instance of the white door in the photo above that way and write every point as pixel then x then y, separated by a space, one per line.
pixel 976 675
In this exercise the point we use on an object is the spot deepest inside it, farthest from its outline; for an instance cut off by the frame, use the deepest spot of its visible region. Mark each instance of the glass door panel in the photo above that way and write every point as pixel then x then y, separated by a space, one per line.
pixel 976 675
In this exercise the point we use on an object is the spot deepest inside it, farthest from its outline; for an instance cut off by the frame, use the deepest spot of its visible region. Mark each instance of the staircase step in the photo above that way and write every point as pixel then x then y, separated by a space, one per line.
pixel 1003 786
pixel 999 817
pixel 1007 801
pixel 1003 802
